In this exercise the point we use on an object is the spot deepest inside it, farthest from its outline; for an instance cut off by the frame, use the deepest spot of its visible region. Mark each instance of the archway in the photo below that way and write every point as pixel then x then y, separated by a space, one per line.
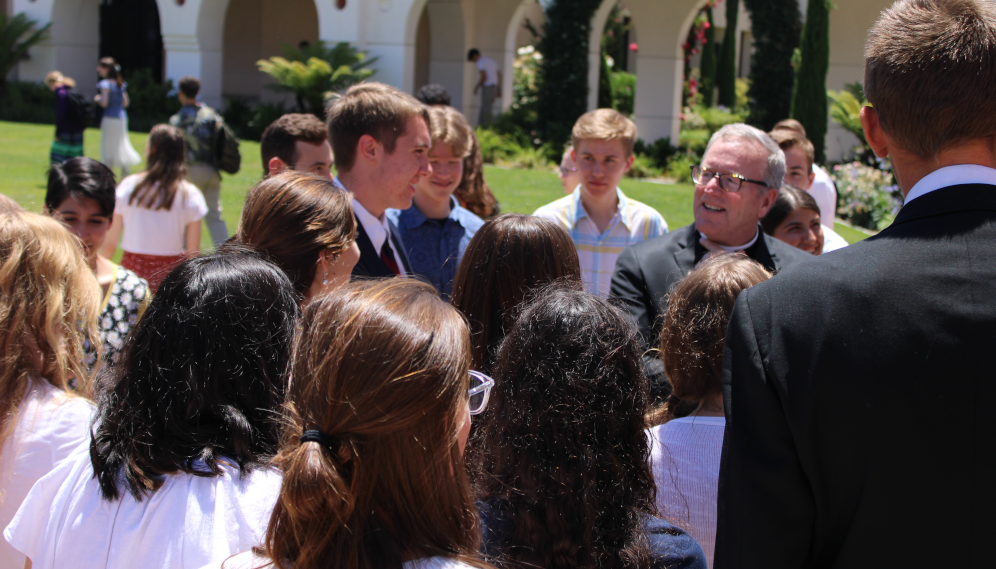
pixel 526 21
pixel 613 32
pixel 254 30
pixel 130 33
pixel 440 48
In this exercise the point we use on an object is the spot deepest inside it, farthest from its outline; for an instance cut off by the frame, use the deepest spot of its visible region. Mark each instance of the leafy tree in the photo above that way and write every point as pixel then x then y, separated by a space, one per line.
pixel 776 28
pixel 18 35
pixel 809 105
pixel 726 72
pixel 313 72
pixel 563 79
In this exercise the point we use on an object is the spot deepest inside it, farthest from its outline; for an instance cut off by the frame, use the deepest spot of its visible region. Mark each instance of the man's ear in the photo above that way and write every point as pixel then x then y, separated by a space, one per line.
pixel 767 201
pixel 276 165
pixel 369 149
pixel 628 163
pixel 874 135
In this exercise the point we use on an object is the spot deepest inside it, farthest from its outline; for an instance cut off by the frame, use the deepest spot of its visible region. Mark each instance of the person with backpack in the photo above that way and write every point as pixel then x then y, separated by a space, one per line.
pixel 70 118
pixel 211 147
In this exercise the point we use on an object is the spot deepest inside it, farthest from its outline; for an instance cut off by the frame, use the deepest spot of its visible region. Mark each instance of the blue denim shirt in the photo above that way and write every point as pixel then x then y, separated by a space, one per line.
pixel 434 249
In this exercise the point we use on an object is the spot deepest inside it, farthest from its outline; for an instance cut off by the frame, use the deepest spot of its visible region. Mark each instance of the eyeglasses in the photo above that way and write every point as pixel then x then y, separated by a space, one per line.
pixel 565 171
pixel 727 182
pixel 480 390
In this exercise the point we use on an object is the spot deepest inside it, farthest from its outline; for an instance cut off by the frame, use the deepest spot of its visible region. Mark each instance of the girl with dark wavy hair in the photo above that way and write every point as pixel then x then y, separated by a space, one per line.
pixel 561 459
pixel 187 420
pixel 378 414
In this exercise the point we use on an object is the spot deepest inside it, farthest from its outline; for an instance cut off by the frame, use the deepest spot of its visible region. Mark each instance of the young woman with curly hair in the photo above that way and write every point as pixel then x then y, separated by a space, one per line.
pixel 378 414
pixel 187 421
pixel 49 301
pixel 685 451
pixel 561 458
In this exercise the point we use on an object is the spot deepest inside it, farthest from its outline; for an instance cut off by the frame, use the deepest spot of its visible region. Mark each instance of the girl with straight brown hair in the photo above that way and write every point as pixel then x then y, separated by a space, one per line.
pixel 48 296
pixel 305 224
pixel 378 415
pixel 157 213
pixel 685 451
pixel 511 255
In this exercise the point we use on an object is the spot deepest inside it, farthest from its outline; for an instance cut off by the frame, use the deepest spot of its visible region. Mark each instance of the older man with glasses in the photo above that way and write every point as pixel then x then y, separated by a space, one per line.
pixel 735 186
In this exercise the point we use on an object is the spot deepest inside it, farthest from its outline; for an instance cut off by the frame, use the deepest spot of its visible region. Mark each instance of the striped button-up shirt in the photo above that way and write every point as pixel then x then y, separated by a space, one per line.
pixel 633 222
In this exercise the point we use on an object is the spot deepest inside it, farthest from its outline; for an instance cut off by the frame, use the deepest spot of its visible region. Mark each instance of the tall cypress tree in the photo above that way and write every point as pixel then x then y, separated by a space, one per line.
pixel 776 27
pixel 563 73
pixel 707 67
pixel 809 96
pixel 726 72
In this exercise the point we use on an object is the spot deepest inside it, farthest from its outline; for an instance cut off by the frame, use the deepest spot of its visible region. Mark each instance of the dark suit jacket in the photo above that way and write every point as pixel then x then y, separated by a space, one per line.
pixel 859 393
pixel 647 271
pixel 370 264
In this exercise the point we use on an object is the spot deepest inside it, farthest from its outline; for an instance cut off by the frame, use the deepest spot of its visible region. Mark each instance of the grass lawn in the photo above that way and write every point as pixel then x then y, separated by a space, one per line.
pixel 24 150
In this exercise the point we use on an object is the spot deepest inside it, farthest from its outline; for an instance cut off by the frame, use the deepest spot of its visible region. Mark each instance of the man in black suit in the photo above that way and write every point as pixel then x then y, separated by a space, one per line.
pixel 380 139
pixel 859 391
pixel 736 184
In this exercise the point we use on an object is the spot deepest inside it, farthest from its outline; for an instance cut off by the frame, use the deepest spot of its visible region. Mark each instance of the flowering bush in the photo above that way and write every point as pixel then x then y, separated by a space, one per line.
pixel 867 196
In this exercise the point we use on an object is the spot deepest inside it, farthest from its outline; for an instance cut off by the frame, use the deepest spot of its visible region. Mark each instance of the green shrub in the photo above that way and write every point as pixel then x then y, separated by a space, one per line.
pixel 659 151
pixel 23 101
pixel 249 121
pixel 316 71
pixel 643 167
pixel 150 102
pixel 623 86
pixel 868 196
pixel 716 118
pixel 679 168
pixel 525 72
pixel 527 158
pixel 694 140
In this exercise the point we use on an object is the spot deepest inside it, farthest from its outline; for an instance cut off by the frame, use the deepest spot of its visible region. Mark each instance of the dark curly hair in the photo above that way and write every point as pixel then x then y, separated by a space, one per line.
pixel 201 376
pixel 562 444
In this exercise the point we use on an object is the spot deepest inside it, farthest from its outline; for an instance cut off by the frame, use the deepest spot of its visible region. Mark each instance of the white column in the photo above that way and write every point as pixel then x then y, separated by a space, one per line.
pixel 447 54
pixel 595 51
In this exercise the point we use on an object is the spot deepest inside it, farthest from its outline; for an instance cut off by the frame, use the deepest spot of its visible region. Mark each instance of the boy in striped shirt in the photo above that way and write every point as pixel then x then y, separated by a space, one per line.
pixel 600 219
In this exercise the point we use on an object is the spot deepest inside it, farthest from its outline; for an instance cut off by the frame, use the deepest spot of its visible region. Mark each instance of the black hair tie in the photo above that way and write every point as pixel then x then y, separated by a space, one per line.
pixel 316 436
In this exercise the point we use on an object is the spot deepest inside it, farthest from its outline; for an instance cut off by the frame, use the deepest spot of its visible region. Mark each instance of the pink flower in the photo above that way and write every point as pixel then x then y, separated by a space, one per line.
pixel 633 47
pixel 706 25
pixel 692 83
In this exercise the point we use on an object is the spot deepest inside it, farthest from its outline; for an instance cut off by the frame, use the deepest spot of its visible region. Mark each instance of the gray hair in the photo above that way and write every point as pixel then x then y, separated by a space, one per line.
pixel 776 158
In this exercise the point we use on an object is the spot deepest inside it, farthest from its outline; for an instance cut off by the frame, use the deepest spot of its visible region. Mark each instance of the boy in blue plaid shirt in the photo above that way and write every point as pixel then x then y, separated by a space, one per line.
pixel 600 219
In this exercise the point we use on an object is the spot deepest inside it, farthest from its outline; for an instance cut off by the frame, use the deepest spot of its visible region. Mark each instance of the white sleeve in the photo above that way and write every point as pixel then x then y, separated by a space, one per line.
pixel 195 205
pixel 832 240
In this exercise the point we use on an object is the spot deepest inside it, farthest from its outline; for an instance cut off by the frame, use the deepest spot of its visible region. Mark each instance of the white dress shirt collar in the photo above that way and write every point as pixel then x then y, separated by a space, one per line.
pixel 377 230
pixel 738 247
pixel 952 176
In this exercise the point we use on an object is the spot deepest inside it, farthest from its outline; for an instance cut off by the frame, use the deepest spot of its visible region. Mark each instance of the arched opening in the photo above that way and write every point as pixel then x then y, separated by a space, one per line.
pixel 254 30
pixel 130 33
pixel 618 48
pixel 440 48
pixel 523 32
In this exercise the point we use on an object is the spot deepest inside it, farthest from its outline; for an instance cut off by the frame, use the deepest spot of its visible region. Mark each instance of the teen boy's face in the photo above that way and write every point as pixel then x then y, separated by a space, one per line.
pixel 798 171
pixel 447 172
pixel 85 220
pixel 601 164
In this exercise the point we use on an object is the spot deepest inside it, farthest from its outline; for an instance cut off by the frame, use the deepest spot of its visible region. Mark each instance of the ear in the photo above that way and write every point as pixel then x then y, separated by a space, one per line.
pixel 874 135
pixel 767 201
pixel 574 156
pixel 629 163
pixel 369 149
pixel 276 165
pixel 812 176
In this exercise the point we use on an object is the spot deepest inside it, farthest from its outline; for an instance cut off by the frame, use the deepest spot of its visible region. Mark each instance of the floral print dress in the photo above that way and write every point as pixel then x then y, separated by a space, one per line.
pixel 125 302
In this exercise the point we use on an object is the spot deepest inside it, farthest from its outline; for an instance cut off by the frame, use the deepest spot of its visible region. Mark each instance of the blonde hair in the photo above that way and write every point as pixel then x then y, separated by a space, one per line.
pixel 54 77
pixel 605 124
pixel 448 125
pixel 50 295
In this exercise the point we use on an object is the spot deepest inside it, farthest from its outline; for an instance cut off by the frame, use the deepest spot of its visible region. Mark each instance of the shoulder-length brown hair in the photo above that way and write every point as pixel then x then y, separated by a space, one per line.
pixel 381 369
pixel 292 217
pixel 48 295
pixel 508 257
pixel 692 337
pixel 166 169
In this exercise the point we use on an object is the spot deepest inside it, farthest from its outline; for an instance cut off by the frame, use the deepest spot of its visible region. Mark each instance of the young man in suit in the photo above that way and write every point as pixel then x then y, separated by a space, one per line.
pixel 380 139
pixel 735 186
pixel 859 389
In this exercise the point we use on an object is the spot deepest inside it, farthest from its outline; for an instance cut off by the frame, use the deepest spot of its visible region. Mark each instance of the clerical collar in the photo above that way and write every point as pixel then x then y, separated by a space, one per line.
pixel 738 247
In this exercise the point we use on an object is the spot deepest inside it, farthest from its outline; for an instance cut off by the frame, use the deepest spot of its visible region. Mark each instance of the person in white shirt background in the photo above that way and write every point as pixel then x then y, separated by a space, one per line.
pixel 686 443
pixel 175 475
pixel 489 83
pixel 380 140
pixel 378 417
pixel 49 295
